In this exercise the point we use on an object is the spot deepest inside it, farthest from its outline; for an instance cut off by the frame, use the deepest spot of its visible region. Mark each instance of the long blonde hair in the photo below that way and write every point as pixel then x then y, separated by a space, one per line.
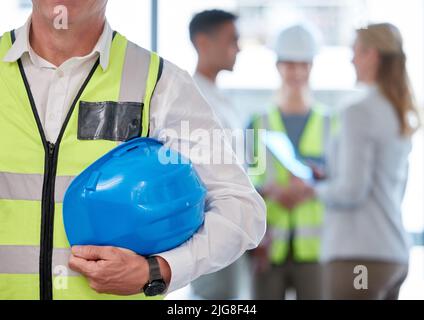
pixel 392 75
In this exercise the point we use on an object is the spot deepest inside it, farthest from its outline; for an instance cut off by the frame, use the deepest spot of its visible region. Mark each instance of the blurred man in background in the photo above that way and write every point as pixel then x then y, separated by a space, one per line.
pixel 215 37
pixel 288 258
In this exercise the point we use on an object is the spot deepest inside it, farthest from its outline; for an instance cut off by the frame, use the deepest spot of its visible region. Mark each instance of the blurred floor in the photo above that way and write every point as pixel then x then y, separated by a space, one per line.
pixel 412 289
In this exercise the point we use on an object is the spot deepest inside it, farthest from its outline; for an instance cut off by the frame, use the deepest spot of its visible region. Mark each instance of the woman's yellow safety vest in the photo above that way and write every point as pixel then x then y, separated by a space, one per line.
pixel 111 106
pixel 300 227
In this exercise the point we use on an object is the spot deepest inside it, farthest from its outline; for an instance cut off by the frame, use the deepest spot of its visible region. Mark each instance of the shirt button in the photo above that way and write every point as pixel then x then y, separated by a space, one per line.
pixel 60 73
pixel 51 117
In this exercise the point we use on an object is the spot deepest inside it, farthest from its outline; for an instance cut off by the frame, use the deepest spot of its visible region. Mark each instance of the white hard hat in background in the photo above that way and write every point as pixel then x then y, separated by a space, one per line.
pixel 298 43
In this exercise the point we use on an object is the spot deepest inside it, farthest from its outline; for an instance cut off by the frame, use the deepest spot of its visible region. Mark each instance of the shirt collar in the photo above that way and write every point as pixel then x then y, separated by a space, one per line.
pixel 22 46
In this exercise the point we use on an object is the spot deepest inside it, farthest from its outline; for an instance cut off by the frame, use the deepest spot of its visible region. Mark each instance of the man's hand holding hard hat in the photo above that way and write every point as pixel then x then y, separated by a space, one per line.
pixel 114 270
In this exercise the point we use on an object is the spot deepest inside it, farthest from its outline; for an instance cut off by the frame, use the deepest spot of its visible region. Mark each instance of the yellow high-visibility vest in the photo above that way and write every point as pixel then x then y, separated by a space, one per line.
pixel 305 221
pixel 34 173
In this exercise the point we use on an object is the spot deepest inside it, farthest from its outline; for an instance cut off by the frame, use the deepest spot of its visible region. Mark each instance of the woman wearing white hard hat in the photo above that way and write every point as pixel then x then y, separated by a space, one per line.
pixel 365 246
pixel 289 257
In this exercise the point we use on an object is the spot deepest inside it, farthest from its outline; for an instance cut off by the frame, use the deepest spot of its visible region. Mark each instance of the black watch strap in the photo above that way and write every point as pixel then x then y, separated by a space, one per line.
pixel 154 269
pixel 156 285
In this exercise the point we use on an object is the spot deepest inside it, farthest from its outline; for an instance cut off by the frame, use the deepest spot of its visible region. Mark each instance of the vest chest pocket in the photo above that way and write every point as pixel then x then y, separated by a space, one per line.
pixel 114 121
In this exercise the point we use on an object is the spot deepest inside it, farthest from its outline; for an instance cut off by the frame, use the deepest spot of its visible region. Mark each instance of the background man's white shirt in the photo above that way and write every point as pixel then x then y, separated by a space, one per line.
pixel 220 103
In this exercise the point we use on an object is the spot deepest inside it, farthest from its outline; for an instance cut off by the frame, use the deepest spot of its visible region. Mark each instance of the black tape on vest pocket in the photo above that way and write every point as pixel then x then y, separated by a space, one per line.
pixel 115 121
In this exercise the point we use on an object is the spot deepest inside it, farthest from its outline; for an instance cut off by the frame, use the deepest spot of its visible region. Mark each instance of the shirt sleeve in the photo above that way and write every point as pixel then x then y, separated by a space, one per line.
pixel 235 218
pixel 354 164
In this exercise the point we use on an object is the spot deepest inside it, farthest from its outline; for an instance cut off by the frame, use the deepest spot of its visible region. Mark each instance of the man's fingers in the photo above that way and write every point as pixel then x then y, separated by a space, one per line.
pixel 94 252
pixel 82 266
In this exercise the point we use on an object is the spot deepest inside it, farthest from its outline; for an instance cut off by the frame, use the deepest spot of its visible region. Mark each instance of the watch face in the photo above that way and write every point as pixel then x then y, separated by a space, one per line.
pixel 155 288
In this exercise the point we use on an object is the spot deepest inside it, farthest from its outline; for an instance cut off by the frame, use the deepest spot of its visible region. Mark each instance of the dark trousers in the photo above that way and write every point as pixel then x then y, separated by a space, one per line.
pixel 303 278
pixel 383 280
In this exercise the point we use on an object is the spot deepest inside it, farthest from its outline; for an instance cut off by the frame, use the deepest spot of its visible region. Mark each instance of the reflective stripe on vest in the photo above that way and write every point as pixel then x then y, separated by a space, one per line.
pixel 35 174
pixel 306 219
pixel 29 264
pixel 15 186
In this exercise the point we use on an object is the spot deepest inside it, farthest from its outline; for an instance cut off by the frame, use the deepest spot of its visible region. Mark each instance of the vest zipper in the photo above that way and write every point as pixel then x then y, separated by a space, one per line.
pixel 48 200
pixel 47 223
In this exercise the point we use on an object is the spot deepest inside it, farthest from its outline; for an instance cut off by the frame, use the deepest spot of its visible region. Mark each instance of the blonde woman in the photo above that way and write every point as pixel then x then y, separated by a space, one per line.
pixel 365 247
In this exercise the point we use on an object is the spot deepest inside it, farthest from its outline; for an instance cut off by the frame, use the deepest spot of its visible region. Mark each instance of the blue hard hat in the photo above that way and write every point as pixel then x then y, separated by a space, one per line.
pixel 133 198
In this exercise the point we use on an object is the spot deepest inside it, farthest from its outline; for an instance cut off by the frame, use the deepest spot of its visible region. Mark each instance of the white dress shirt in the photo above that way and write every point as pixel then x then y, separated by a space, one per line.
pixel 235 213
pixel 221 104
pixel 227 114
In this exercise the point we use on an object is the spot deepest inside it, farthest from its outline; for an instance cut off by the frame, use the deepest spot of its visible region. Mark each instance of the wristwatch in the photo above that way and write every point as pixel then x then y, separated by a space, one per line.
pixel 156 285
